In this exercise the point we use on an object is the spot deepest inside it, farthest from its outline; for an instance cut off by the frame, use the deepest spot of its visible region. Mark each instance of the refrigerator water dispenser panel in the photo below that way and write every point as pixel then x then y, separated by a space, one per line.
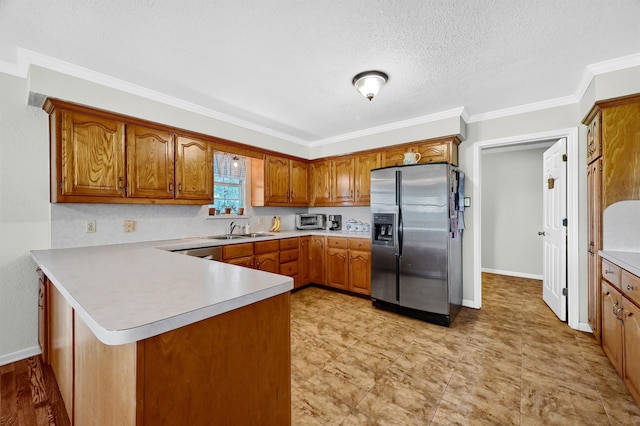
pixel 383 228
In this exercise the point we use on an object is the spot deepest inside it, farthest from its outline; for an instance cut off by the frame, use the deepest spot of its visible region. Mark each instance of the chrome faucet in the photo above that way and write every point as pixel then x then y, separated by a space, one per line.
pixel 232 226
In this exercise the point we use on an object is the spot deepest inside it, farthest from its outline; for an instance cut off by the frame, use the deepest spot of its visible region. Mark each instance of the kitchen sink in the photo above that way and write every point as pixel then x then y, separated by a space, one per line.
pixel 226 237
pixel 257 234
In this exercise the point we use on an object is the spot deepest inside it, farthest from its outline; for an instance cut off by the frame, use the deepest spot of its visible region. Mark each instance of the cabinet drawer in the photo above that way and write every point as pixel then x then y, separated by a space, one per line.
pixel 237 250
pixel 288 255
pixel 337 242
pixel 266 246
pixel 631 287
pixel 290 269
pixel 289 243
pixel 359 244
pixel 611 273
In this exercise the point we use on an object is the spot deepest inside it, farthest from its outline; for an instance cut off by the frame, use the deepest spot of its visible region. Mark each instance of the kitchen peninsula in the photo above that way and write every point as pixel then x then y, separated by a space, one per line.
pixel 138 335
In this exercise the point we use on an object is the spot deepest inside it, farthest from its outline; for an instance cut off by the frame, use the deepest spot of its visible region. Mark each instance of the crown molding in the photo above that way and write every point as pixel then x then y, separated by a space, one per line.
pixel 27 58
pixel 456 112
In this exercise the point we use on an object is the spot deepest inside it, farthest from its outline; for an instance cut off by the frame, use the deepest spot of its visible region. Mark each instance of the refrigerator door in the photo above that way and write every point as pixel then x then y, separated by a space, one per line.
pixel 424 210
pixel 384 261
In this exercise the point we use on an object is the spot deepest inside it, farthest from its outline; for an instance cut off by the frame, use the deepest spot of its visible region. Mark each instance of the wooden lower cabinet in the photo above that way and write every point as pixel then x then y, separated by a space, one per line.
pixel 360 266
pixel 304 276
pixel 289 258
pixel 267 256
pixel 234 368
pixel 317 258
pixel 612 325
pixel 632 349
pixel 349 264
pixel 60 332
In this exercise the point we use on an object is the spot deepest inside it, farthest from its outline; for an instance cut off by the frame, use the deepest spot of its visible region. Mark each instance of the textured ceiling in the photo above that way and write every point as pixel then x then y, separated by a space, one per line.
pixel 287 65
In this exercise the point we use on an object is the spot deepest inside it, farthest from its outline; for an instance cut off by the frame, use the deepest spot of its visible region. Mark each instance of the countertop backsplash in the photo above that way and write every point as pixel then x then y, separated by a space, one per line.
pixel 621 226
pixel 162 222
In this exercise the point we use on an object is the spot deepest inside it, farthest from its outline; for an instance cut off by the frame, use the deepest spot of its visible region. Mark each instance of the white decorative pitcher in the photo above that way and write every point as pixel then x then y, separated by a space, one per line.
pixel 412 157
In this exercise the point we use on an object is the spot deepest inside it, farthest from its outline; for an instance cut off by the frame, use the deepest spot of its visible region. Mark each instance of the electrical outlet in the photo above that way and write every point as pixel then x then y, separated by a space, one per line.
pixel 129 225
pixel 91 226
pixel 259 220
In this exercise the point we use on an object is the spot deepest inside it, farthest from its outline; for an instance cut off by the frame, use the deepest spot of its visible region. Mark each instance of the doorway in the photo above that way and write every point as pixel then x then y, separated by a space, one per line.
pixel 571 134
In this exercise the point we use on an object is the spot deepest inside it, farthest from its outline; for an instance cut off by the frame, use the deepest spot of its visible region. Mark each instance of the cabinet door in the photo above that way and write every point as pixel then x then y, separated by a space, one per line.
pixel 43 315
pixel 337 268
pixel 362 175
pixel 594 142
pixel 317 260
pixel 150 163
pixel 277 178
pixel 434 153
pixel 194 170
pixel 303 260
pixel 342 186
pixel 632 349
pixel 594 232
pixel 621 153
pixel 320 172
pixel 233 251
pixel 61 345
pixel 268 262
pixel 247 261
pixel 92 156
pixel 612 325
pixel 299 174
pixel 360 272
pixel 394 157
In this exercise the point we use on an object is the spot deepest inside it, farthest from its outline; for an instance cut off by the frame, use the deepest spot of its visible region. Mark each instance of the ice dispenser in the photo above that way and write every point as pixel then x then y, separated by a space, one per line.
pixel 383 229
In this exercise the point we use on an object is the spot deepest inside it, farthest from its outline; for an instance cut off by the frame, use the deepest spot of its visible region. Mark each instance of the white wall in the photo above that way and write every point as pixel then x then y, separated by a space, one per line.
pixel 512 212
pixel 24 216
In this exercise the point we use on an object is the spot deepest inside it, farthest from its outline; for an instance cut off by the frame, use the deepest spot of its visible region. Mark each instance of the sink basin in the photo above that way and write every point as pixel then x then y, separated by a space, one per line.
pixel 226 237
pixel 257 234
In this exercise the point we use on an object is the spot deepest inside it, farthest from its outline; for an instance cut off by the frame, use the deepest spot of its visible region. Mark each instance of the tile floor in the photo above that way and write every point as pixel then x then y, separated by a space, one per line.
pixel 510 363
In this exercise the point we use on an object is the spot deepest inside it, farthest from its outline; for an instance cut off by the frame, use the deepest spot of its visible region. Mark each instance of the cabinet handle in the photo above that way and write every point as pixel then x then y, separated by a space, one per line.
pixel 629 287
pixel 180 187
pixel 613 308
pixel 621 308
pixel 606 271
pixel 120 182
pixel 170 186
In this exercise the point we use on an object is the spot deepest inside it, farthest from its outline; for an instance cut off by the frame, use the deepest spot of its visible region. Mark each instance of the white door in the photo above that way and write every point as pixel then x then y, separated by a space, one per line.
pixel 554 201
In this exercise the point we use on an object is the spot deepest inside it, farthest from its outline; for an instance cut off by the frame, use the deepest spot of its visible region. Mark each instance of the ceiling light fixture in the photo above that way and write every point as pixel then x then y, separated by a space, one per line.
pixel 369 83
pixel 235 161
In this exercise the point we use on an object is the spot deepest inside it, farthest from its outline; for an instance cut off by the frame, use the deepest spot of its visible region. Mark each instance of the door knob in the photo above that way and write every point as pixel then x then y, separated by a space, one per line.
pixel 541 233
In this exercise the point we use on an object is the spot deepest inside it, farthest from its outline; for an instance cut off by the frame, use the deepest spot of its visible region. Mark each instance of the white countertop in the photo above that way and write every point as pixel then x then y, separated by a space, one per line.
pixel 130 292
pixel 628 260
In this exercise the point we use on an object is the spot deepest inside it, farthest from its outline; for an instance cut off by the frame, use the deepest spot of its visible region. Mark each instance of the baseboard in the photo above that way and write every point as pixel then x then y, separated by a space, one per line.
pixel 470 304
pixel 513 274
pixel 583 326
pixel 19 355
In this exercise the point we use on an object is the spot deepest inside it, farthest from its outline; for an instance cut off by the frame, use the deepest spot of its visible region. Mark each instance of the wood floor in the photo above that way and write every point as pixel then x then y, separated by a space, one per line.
pixel 512 362
pixel 29 395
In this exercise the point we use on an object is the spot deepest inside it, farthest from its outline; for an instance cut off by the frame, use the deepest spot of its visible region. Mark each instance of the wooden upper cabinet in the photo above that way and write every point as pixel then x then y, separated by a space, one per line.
pixel 299 177
pixel 150 162
pixel 194 170
pixel 91 161
pixel 285 183
pixel 431 151
pixel 362 177
pixel 342 181
pixel 393 157
pixel 621 153
pixel 320 172
pixel 594 142
pixel 277 178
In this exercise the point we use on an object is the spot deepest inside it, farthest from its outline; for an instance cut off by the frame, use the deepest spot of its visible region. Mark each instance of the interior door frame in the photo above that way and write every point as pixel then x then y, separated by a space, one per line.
pixel 573 248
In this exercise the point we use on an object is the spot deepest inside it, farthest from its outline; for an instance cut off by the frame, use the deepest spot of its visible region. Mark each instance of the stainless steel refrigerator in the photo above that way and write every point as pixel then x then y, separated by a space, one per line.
pixel 416 247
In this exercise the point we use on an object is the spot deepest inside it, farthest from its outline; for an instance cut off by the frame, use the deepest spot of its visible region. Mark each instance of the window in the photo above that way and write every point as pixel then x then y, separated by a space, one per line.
pixel 228 181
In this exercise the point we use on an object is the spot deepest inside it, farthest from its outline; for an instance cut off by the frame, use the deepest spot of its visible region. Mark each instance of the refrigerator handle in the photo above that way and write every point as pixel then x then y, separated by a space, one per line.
pixel 400 231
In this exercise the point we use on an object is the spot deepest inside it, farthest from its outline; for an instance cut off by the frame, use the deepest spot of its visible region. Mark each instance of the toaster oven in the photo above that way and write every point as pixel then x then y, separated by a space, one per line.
pixel 310 221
